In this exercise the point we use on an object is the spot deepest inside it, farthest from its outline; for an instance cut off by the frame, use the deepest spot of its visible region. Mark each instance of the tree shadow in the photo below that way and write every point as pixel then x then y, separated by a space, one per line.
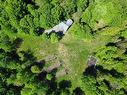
pixel 60 35
pixel 40 64
pixel 122 38
pixel 62 16
pixel 41 76
pixel 78 91
pixel 16 89
pixel 2 51
pixel 107 83
pixel 55 88
pixel 52 84
pixel 91 70
pixel 113 72
pixel 28 55
pixel 6 72
pixel 125 52
pixel 12 56
pixel 65 84
pixel 124 90
pixel 16 43
pixel 29 2
pixel 39 31
pixel 118 59
pixel 111 44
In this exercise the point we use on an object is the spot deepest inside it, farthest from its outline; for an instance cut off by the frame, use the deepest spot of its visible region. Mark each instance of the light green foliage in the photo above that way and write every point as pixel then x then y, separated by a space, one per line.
pixel 27 23
pixel 31 9
pixel 35 63
pixel 106 12
pixel 5 42
pixel 124 33
pixel 14 11
pixel 35 14
pixel 81 32
pixel 109 58
pixel 26 91
pixel 90 85
pixel 49 76
pixel 35 69
pixel 113 62
pixel 81 4
pixel 54 38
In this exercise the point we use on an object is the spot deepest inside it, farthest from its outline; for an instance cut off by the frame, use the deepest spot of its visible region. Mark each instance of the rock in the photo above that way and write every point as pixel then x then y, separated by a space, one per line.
pixel 91 61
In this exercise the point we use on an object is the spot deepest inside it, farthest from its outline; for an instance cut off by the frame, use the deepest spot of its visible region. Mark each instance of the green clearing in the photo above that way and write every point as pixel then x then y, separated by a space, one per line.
pixel 73 51
pixel 35 63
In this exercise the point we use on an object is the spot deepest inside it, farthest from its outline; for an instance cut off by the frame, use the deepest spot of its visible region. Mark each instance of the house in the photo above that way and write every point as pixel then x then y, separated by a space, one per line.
pixel 61 27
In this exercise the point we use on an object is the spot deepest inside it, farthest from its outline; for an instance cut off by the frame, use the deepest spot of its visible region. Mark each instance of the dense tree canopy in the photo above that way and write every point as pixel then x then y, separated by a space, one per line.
pixel 35 63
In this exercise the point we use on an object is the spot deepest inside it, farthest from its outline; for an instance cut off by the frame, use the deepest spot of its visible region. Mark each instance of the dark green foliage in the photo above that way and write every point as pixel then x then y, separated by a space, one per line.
pixel 78 91
pixel 112 68
pixel 100 26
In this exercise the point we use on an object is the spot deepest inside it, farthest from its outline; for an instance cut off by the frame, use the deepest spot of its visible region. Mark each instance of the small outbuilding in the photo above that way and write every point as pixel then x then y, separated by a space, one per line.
pixel 61 27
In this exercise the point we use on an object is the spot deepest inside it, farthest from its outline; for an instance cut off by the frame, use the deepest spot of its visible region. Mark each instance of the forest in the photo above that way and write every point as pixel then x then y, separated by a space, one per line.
pixel 89 59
